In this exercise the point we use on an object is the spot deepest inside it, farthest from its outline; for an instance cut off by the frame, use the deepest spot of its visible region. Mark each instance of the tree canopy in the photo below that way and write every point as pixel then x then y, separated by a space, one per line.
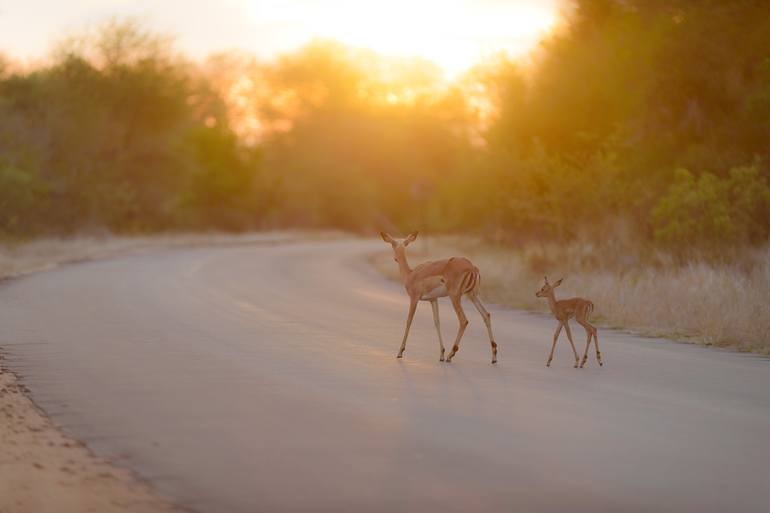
pixel 653 116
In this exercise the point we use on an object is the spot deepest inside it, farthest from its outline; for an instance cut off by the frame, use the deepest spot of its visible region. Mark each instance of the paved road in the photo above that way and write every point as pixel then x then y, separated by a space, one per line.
pixel 264 379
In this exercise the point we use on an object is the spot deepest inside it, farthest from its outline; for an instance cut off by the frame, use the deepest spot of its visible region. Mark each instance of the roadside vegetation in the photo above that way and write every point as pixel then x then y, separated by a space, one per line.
pixel 723 305
pixel 629 153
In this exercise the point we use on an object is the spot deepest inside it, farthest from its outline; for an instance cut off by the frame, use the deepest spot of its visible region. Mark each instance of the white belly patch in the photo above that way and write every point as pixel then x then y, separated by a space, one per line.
pixel 437 292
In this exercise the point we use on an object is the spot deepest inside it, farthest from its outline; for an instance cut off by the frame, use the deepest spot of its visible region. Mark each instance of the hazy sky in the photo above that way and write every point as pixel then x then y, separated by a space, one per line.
pixel 454 33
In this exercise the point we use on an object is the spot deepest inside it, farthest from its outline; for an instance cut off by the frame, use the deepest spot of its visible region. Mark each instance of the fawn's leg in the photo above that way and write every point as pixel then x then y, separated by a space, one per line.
pixel 463 323
pixel 488 321
pixel 412 308
pixel 596 343
pixel 434 305
pixel 555 338
pixel 569 336
pixel 589 332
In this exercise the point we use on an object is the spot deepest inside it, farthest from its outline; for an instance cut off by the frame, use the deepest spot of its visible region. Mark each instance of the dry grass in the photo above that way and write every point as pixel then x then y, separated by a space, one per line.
pixel 724 305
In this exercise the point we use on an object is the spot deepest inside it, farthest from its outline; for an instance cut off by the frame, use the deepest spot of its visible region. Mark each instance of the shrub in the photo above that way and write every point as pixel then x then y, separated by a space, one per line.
pixel 21 194
pixel 707 212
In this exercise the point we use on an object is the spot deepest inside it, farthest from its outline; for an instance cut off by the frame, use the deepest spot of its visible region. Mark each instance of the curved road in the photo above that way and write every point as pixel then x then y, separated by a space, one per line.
pixel 264 379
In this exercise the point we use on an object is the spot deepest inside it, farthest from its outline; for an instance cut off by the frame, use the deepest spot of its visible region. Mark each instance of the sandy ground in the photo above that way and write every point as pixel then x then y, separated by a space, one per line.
pixel 44 471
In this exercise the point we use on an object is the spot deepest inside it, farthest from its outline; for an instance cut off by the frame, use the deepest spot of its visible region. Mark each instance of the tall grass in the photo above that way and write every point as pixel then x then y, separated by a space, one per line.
pixel 721 303
pixel 715 302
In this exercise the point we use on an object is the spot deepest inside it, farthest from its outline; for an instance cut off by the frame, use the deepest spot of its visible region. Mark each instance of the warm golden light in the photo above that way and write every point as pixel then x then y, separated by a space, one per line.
pixel 455 34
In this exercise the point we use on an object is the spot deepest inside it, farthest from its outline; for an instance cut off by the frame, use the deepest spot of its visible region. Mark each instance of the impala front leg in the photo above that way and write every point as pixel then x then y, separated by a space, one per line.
pixel 434 304
pixel 569 336
pixel 555 338
pixel 412 308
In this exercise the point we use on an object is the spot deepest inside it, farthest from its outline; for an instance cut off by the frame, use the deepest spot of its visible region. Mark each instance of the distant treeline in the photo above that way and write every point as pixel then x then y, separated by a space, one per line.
pixel 119 133
pixel 646 120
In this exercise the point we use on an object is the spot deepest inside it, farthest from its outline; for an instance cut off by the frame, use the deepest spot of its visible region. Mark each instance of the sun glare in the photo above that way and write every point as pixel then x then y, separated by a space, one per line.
pixel 454 34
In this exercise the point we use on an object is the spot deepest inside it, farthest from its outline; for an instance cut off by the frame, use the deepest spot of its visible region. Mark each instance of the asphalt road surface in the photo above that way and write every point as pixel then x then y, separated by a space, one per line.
pixel 264 379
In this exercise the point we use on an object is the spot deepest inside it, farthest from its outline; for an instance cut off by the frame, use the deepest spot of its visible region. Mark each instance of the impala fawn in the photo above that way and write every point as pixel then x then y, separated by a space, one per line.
pixel 454 277
pixel 566 309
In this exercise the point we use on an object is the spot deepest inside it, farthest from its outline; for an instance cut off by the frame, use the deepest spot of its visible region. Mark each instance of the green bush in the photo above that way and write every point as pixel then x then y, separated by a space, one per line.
pixel 708 212
pixel 21 195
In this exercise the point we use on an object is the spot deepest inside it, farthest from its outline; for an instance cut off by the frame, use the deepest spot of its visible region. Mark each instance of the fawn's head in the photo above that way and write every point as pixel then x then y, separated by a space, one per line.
pixel 548 288
pixel 399 245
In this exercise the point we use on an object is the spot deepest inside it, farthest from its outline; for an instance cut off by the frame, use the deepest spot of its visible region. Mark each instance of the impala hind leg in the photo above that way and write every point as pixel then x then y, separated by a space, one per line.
pixel 553 346
pixel 434 304
pixel 596 343
pixel 488 322
pixel 412 308
pixel 590 331
pixel 569 336
pixel 463 323
pixel 585 353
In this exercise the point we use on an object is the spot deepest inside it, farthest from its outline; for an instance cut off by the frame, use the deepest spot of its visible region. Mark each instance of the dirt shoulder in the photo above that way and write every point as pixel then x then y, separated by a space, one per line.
pixel 42 470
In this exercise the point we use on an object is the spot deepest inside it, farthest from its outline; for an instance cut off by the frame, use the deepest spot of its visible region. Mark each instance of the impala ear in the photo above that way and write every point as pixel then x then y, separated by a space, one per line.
pixel 546 279
pixel 386 237
pixel 410 238
pixel 558 282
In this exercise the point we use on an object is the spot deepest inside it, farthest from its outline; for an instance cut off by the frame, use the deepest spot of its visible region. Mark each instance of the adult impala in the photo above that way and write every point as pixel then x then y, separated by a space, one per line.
pixel 453 277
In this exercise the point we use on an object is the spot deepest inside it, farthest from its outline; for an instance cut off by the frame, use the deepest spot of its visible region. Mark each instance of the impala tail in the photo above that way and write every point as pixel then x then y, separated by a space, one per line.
pixel 471 281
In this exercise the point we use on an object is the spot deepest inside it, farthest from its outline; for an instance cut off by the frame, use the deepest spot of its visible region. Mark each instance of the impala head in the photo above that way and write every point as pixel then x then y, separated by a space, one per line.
pixel 399 245
pixel 548 288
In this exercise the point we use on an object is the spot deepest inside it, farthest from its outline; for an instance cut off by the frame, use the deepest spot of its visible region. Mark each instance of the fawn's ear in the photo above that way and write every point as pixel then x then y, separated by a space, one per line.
pixel 558 282
pixel 386 237
pixel 410 238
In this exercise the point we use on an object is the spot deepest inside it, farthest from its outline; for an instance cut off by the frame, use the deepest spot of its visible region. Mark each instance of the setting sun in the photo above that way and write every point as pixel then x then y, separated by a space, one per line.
pixel 454 34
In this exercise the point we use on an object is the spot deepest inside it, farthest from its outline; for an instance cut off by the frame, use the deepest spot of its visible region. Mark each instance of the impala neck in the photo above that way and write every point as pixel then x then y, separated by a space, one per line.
pixel 403 265
pixel 552 301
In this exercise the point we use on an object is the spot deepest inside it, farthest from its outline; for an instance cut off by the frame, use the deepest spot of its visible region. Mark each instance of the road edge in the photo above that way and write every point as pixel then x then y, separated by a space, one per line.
pixel 44 470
